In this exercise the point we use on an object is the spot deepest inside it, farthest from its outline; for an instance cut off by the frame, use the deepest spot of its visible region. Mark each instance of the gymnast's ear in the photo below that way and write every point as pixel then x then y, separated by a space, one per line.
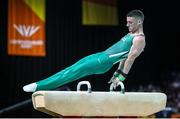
pixel 139 21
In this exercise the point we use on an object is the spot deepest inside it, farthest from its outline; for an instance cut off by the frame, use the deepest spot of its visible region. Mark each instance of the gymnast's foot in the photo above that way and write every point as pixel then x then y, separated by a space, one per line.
pixel 30 87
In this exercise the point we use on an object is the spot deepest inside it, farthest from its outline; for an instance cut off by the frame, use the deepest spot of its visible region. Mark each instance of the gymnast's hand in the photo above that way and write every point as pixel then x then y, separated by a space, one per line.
pixel 117 77
pixel 114 80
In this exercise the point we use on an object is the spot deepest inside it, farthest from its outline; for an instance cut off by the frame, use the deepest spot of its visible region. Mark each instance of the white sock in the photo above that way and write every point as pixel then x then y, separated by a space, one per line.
pixel 30 87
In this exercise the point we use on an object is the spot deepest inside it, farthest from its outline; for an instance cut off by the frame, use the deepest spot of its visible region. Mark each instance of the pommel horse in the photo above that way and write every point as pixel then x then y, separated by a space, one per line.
pixel 104 104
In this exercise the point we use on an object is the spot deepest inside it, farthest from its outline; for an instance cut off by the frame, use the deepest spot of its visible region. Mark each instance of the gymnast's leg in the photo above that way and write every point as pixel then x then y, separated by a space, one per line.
pixel 93 64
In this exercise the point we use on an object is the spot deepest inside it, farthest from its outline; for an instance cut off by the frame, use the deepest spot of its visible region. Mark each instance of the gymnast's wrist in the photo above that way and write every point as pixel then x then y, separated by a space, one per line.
pixel 120 75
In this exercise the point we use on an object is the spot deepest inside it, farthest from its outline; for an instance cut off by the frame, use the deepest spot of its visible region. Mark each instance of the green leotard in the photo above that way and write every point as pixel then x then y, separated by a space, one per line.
pixel 93 64
pixel 120 49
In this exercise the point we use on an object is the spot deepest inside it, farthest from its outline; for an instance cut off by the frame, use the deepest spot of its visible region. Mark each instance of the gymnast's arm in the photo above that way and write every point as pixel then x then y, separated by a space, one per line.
pixel 135 51
pixel 125 65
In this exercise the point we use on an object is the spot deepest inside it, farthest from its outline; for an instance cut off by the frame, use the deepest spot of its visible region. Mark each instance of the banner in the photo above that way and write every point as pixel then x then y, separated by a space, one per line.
pixel 100 12
pixel 26 27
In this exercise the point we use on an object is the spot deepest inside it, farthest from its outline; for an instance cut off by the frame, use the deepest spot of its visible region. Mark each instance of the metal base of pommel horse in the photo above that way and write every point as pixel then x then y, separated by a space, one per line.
pixel 103 104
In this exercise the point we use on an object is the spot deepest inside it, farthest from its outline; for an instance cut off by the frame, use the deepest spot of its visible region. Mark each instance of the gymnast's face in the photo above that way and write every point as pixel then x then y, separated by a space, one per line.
pixel 132 24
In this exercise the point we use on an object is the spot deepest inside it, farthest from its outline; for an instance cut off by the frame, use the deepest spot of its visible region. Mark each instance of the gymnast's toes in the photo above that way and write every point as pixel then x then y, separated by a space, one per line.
pixel 30 87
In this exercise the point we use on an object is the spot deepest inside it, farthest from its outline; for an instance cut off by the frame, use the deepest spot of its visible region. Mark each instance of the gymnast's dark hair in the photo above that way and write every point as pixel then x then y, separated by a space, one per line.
pixel 136 13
